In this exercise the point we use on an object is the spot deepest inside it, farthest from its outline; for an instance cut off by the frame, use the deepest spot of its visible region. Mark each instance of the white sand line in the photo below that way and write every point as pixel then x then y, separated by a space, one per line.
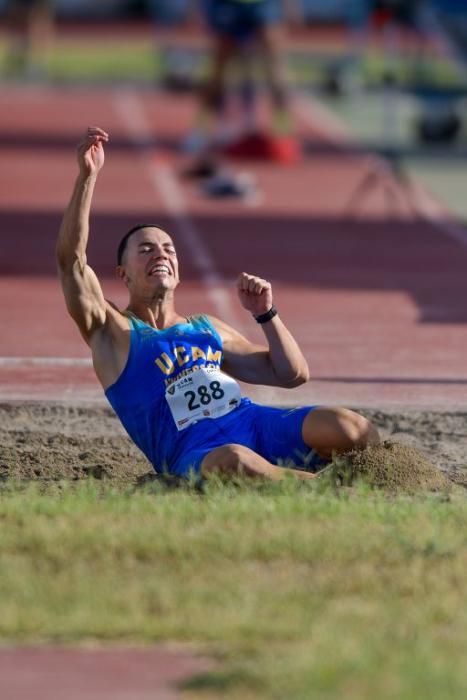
pixel 426 204
pixel 131 111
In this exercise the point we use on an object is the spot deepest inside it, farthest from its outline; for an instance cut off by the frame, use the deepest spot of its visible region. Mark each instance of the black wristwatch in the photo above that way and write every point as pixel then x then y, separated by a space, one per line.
pixel 264 318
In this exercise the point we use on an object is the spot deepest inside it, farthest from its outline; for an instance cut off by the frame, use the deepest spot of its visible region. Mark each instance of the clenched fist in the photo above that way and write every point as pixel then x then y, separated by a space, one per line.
pixel 255 294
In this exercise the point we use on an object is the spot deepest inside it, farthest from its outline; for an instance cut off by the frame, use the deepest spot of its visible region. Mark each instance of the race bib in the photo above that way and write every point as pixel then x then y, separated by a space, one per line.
pixel 205 392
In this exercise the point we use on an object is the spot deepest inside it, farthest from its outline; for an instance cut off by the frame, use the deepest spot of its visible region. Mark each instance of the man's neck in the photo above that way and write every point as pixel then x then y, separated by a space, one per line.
pixel 158 314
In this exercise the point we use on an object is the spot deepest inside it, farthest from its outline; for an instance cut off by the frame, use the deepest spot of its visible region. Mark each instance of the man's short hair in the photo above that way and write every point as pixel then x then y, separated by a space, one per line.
pixel 123 243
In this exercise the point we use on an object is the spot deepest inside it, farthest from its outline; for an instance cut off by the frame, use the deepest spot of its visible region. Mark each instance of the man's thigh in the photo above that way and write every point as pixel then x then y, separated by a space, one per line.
pixel 207 435
pixel 276 434
pixel 189 464
pixel 279 436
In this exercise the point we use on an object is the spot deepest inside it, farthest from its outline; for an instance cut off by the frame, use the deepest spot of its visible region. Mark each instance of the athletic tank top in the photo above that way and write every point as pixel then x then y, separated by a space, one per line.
pixel 171 381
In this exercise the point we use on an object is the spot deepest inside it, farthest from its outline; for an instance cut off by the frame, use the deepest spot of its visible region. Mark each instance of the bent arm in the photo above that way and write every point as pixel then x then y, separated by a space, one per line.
pixel 83 294
pixel 287 360
pixel 280 362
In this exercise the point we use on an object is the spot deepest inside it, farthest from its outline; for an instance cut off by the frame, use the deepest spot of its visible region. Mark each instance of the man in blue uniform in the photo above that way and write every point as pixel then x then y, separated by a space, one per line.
pixel 172 380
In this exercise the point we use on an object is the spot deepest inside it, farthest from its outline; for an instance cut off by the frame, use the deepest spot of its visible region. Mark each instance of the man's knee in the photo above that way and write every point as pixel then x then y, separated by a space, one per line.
pixel 355 428
pixel 359 430
pixel 330 430
pixel 228 459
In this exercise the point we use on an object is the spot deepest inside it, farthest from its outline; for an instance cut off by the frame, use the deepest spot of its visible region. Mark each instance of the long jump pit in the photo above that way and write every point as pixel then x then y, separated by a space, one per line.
pixel 51 441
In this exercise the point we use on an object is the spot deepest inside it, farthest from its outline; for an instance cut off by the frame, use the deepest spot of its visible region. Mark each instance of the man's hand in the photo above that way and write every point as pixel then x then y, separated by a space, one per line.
pixel 255 294
pixel 91 151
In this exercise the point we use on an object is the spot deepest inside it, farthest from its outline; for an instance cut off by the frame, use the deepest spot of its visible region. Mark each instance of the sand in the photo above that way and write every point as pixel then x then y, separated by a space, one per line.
pixel 390 466
pixel 51 441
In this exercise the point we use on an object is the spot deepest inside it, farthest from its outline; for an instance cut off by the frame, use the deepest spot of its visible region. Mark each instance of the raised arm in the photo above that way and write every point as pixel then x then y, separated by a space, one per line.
pixel 280 361
pixel 81 288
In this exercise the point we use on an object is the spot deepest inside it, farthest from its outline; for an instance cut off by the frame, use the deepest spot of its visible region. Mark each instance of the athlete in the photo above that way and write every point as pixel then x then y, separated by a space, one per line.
pixel 235 24
pixel 172 380
pixel 240 31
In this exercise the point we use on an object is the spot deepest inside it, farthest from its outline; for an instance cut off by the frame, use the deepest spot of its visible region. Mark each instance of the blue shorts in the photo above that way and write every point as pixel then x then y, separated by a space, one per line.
pixel 240 20
pixel 273 433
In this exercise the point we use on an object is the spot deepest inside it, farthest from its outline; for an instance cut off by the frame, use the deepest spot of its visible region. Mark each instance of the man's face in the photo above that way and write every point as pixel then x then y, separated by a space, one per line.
pixel 150 261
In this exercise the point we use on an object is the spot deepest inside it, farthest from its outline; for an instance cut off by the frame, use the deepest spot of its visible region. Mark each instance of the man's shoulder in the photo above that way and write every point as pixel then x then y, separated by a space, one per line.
pixel 224 330
pixel 209 320
pixel 202 322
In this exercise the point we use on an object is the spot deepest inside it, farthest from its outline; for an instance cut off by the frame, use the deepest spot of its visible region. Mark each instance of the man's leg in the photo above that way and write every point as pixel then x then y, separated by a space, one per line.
pixel 201 142
pixel 269 39
pixel 213 96
pixel 237 460
pixel 325 430
pixel 330 430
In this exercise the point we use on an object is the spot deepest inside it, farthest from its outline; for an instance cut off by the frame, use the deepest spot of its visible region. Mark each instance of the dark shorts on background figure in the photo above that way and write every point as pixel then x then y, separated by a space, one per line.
pixel 240 20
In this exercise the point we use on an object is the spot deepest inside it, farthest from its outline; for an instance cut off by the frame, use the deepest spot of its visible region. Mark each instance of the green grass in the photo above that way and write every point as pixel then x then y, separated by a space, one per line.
pixel 429 70
pixel 96 60
pixel 301 593
pixel 112 62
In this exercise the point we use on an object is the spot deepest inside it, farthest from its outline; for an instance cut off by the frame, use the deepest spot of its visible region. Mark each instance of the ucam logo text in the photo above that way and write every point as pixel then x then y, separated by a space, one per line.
pixel 181 355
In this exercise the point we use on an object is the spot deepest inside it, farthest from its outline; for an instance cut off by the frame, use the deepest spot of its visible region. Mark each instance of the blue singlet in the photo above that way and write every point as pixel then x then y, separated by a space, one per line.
pixel 160 359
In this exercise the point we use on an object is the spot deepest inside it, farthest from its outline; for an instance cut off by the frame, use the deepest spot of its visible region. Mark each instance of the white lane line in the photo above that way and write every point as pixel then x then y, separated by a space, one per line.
pixel 131 111
pixel 323 121
pixel 45 361
pixel 428 206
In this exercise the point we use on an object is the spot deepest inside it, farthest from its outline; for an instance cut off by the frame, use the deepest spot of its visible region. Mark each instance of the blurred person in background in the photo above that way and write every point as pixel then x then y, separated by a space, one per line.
pixel 242 31
pixel 244 28
pixel 170 12
pixel 31 27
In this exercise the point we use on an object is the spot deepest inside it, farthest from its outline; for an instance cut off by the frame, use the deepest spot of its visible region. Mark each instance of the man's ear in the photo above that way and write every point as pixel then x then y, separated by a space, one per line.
pixel 121 274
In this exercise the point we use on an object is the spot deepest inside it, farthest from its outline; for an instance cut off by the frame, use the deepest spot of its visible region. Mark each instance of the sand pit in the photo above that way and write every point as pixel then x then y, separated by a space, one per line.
pixel 47 441
pixel 390 466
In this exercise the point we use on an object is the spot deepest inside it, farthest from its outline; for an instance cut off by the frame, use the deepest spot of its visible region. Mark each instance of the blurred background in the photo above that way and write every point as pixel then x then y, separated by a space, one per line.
pixel 341 141
pixel 393 71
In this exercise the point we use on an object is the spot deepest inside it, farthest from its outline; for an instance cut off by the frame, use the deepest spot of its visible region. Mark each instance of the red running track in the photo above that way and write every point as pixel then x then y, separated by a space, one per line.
pixel 378 301
pixel 56 673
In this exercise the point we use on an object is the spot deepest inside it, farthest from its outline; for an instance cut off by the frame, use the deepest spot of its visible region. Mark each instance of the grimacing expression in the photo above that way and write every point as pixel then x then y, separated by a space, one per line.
pixel 150 259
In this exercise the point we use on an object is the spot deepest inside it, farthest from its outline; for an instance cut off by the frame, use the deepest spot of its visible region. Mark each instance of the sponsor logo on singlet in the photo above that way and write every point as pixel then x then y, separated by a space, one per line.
pixel 183 355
